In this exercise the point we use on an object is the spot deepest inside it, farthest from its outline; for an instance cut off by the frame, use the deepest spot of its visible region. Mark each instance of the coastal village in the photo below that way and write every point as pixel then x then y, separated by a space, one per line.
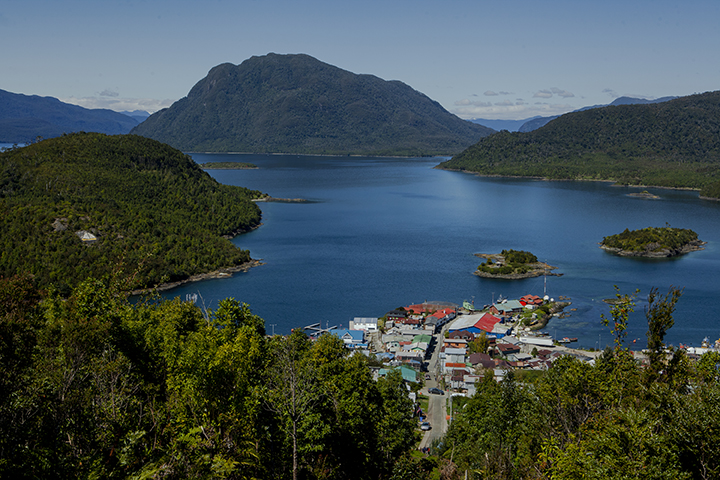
pixel 444 349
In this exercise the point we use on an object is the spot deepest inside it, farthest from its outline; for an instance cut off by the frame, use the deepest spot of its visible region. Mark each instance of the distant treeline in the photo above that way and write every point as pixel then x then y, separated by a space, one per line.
pixel 156 215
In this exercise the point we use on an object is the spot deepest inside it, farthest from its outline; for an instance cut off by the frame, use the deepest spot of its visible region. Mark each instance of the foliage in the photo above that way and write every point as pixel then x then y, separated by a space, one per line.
pixel 514 261
pixel 297 104
pixel 620 312
pixel 156 215
pixel 672 144
pixel 97 387
pixel 651 239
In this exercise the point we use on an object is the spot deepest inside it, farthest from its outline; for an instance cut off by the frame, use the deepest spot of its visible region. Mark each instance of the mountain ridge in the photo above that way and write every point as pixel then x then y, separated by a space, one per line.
pixel 298 104
pixel 23 118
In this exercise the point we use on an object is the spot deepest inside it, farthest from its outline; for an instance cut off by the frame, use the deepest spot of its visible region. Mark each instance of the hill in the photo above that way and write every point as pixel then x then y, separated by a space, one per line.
pixel 154 213
pixel 537 122
pixel 23 118
pixel 297 104
pixel 670 144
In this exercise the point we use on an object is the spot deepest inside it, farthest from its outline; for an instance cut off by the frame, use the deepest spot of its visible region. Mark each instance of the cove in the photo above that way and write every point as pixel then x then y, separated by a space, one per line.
pixel 380 233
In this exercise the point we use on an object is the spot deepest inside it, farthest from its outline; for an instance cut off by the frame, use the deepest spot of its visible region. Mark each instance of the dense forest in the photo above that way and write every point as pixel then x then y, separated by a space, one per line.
pixel 95 387
pixel 156 216
pixel 670 144
pixel 298 104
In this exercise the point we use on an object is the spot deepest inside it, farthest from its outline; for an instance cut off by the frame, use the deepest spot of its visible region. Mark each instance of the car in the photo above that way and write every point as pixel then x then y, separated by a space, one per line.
pixel 425 426
pixel 427 376
pixel 436 391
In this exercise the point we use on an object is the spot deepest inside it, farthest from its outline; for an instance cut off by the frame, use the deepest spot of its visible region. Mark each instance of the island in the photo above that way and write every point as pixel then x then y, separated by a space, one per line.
pixel 644 194
pixel 513 265
pixel 227 166
pixel 653 242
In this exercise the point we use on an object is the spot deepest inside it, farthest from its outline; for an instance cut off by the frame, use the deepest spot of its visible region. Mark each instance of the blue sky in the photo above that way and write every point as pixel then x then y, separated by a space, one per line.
pixel 509 59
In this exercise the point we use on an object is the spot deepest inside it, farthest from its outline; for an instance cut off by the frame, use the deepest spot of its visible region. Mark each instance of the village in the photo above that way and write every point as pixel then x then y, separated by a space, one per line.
pixel 443 350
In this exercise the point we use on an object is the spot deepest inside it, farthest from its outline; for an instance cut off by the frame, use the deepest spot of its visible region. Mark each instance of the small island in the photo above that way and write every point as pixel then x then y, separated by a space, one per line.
pixel 653 242
pixel 644 194
pixel 513 265
pixel 227 166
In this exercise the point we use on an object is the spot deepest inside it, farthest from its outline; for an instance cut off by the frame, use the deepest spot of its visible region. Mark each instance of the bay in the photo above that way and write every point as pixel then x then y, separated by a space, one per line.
pixel 380 233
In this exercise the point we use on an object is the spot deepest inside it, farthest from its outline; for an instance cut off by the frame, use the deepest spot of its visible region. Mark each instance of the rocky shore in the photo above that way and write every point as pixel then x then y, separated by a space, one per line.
pixel 220 273
pixel 537 269
pixel 651 250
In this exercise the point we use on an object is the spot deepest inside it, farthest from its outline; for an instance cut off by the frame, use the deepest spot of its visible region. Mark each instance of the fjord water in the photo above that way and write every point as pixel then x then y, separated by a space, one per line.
pixel 380 233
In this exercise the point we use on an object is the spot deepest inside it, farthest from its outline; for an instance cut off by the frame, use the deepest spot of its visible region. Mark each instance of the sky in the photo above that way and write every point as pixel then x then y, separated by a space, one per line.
pixel 506 59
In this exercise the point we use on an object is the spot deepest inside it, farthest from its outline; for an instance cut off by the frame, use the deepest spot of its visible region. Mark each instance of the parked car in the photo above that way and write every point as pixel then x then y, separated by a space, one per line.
pixel 436 391
pixel 427 376
pixel 425 426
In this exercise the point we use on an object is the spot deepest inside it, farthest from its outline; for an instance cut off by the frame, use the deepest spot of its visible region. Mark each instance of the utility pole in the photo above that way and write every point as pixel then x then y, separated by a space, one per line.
pixel 273 328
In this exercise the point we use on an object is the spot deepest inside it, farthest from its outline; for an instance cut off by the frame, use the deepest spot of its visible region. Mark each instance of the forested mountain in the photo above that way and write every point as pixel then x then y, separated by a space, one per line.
pixel 671 144
pixel 155 215
pixel 23 118
pixel 297 104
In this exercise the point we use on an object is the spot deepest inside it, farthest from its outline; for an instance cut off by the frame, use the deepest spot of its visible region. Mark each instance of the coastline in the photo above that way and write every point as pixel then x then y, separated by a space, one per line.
pixel 546 179
pixel 693 246
pixel 226 272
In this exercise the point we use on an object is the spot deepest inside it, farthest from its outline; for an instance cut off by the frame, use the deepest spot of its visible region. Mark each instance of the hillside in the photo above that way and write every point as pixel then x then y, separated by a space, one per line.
pixel 156 215
pixel 537 122
pixel 23 118
pixel 297 104
pixel 670 144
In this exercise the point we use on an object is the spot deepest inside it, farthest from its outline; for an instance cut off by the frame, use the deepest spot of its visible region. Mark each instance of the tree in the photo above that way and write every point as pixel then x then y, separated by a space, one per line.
pixel 620 312
pixel 659 317
pixel 292 388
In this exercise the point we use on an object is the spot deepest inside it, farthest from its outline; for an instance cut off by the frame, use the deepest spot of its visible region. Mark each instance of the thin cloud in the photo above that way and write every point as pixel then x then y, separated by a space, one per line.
pixel 611 92
pixel 475 103
pixel 562 93
pixel 109 93
pixel 490 93
pixel 512 111
pixel 543 94
pixel 150 105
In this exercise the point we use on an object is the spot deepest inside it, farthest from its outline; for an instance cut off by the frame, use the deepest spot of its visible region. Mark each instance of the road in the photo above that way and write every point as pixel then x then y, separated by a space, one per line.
pixel 437 408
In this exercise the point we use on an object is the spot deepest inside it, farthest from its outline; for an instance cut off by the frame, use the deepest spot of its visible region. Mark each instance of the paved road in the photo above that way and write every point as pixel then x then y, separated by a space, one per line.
pixel 437 411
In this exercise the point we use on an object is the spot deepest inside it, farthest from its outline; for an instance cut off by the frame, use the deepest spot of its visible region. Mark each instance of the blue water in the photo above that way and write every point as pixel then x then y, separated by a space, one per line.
pixel 387 232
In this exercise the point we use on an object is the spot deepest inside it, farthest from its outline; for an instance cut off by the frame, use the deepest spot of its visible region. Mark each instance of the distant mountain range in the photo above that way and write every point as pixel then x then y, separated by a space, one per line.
pixel 533 123
pixel 675 143
pixel 298 104
pixel 23 118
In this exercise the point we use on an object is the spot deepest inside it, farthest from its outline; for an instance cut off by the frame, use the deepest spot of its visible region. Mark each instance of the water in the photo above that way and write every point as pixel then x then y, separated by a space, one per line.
pixel 383 233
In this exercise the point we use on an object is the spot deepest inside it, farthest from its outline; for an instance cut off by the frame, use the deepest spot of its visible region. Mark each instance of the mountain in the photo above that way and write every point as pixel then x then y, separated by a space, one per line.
pixel 139 115
pixel 537 122
pixel 23 118
pixel 156 216
pixel 509 125
pixel 673 144
pixel 297 104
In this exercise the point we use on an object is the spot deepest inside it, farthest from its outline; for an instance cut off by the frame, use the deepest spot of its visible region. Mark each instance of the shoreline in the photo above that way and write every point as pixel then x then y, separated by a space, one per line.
pixel 693 246
pixel 546 179
pixel 226 272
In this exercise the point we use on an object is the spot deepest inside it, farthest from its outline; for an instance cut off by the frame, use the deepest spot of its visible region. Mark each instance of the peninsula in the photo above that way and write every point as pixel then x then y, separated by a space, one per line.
pixel 513 265
pixel 227 166
pixel 653 242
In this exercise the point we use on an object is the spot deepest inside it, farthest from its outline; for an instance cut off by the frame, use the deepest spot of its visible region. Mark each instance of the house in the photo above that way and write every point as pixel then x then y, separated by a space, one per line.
pixel 455 355
pixel 478 322
pixel 408 374
pixel 481 360
pixel 368 324
pixel 531 300
pixel 351 338
pixel 86 236
pixel 450 366
pixel 462 334
pixel 396 315
pixel 507 349
pixel 506 308
pixel 455 343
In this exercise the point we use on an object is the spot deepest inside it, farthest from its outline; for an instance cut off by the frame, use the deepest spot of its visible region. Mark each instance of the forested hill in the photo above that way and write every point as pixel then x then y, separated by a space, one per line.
pixel 156 215
pixel 23 118
pixel 297 104
pixel 672 144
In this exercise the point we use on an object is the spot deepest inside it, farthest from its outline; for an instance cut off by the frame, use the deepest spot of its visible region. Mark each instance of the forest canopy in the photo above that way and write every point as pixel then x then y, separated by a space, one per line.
pixel 670 144
pixel 155 215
